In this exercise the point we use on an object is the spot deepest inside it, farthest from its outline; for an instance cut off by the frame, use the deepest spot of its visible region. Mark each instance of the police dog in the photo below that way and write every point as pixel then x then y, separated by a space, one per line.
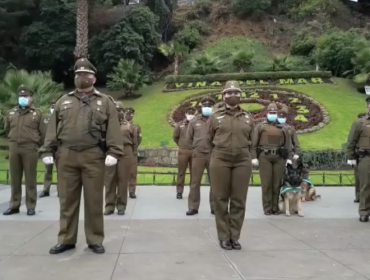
pixel 291 190
pixel 308 189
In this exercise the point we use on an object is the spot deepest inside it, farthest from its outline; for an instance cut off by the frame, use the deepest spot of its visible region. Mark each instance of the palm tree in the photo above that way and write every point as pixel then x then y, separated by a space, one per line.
pixel 205 64
pixel 82 29
pixel 242 60
pixel 174 50
pixel 127 76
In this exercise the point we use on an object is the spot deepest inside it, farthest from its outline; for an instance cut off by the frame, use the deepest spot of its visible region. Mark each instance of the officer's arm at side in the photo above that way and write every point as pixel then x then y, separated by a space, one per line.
pixel 190 133
pixel 295 143
pixel 7 124
pixel 288 143
pixel 139 136
pixel 51 139
pixel 255 141
pixel 176 134
pixel 114 141
pixel 42 128
pixel 211 131
pixel 353 136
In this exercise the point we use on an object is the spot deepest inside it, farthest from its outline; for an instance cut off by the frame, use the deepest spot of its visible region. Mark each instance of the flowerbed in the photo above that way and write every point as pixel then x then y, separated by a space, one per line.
pixel 304 113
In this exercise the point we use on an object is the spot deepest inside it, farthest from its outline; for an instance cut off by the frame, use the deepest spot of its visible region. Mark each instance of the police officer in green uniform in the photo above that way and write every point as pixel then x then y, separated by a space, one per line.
pixel 82 134
pixel 271 150
pixel 117 177
pixel 358 153
pixel 198 138
pixel 129 116
pixel 48 177
pixel 230 132
pixel 357 178
pixel 25 130
pixel 185 151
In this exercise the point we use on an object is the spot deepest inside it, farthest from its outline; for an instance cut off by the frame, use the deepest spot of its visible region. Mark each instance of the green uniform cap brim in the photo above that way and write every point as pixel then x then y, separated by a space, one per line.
pixel 85 71
pixel 231 89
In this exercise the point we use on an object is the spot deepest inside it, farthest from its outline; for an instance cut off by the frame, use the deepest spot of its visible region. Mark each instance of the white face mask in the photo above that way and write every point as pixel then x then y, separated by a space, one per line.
pixel 51 111
pixel 189 117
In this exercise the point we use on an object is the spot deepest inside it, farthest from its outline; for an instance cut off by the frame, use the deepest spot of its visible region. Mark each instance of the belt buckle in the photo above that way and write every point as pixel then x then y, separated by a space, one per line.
pixel 273 152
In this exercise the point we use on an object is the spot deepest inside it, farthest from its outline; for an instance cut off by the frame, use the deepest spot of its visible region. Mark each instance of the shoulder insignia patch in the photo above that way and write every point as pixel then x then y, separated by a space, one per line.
pixel 67 102
pixel 11 113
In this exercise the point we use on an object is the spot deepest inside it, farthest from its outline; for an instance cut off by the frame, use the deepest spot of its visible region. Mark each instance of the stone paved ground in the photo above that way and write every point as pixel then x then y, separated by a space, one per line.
pixel 156 241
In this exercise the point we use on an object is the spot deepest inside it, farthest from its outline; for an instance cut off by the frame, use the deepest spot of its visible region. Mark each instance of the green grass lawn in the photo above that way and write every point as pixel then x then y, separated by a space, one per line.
pixel 341 100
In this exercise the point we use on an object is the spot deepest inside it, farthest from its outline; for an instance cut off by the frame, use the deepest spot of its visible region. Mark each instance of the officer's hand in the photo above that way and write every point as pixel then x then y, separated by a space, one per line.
pixel 295 157
pixel 255 162
pixel 48 160
pixel 110 161
pixel 351 162
pixel 288 162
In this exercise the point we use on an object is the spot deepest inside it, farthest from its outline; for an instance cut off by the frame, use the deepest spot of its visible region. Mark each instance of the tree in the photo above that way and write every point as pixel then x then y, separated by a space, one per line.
pixel 127 76
pixel 82 29
pixel 174 50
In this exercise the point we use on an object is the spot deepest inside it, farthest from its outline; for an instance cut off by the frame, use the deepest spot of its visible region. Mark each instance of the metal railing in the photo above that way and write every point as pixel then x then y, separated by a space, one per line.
pixel 169 178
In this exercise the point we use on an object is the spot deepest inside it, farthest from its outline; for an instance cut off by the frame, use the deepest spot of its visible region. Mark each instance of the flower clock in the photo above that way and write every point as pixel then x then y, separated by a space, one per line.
pixel 304 113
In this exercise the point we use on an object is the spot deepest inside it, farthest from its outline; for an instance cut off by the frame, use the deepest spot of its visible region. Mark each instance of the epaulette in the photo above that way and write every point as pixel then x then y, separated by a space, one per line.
pixel 111 98
pixel 98 92
pixel 71 93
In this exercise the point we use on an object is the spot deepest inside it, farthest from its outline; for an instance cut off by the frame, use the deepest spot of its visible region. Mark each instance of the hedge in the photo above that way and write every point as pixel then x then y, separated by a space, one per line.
pixel 247 76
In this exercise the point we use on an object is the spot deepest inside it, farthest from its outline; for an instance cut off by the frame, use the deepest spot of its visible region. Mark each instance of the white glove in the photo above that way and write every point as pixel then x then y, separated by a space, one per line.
pixel 110 161
pixel 255 162
pixel 295 157
pixel 351 162
pixel 48 160
pixel 288 162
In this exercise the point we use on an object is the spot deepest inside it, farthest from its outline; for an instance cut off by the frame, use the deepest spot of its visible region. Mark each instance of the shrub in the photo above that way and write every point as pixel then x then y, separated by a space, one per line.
pixel 336 49
pixel 203 7
pixel 205 64
pixel 303 43
pixel 201 26
pixel 245 8
pixel 246 76
pixel 242 60
pixel 189 37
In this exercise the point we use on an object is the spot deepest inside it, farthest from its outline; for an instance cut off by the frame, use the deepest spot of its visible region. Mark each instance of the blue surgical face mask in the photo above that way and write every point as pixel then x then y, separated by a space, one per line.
pixel 281 120
pixel 51 110
pixel 23 101
pixel 271 117
pixel 206 111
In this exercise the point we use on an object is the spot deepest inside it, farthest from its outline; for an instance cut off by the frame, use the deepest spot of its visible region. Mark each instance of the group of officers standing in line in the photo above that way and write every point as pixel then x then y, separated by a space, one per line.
pixel 224 140
pixel 87 135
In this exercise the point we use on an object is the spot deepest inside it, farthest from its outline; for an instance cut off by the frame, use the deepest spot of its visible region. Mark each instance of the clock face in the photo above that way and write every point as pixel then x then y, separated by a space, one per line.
pixel 304 113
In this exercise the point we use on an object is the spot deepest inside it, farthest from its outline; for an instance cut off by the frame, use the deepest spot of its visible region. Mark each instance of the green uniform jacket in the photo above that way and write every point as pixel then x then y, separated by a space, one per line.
pixel 76 125
pixel 138 137
pixel 179 135
pixel 357 131
pixel 286 142
pixel 230 132
pixel 25 126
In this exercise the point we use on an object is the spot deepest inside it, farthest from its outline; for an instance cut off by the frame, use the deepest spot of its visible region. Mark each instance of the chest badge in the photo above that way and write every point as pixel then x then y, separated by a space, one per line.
pixel 98 102
pixel 34 113
pixel 46 121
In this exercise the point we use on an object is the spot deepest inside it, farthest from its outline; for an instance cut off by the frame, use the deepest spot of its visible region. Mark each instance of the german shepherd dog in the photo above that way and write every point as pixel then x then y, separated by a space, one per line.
pixel 308 190
pixel 291 190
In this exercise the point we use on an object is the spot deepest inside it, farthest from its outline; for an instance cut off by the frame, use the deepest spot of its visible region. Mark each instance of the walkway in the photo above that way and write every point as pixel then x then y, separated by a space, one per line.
pixel 157 241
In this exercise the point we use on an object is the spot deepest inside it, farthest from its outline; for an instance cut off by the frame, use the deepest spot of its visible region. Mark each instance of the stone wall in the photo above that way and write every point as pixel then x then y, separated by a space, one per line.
pixel 158 157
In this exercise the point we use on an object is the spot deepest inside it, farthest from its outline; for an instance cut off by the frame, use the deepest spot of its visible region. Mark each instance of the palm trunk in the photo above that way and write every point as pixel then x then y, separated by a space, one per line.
pixel 176 66
pixel 82 29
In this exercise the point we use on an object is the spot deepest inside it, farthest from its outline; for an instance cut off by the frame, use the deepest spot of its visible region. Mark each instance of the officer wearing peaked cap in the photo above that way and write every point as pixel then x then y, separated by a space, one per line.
pixel 82 133
pixel 271 150
pixel 230 132
pixel 185 151
pixel 129 116
pixel 358 154
pixel 25 131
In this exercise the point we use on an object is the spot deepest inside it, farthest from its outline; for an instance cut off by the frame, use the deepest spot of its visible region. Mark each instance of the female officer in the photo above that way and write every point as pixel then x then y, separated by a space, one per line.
pixel 230 132
pixel 117 176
